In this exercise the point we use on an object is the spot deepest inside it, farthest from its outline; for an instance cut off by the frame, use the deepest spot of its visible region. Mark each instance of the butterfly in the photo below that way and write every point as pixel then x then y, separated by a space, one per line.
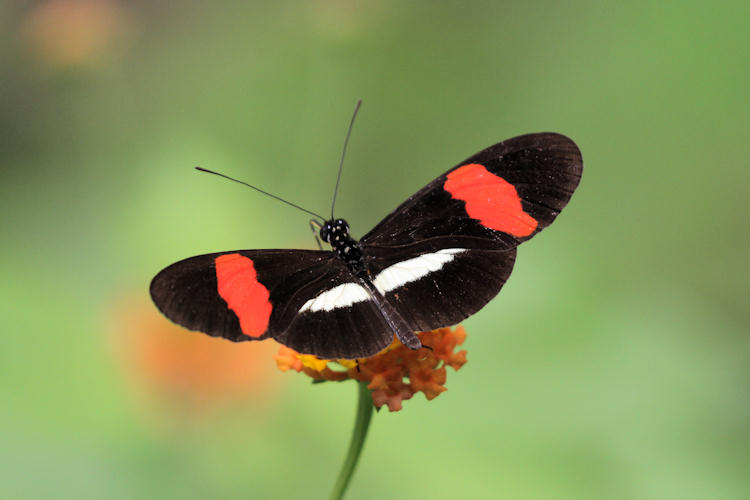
pixel 434 261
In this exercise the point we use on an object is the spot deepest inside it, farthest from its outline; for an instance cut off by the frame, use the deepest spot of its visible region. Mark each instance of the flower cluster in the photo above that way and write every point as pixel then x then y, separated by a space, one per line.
pixel 394 374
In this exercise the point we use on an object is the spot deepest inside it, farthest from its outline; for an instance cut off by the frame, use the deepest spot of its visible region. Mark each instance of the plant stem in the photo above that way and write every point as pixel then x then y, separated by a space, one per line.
pixel 361 424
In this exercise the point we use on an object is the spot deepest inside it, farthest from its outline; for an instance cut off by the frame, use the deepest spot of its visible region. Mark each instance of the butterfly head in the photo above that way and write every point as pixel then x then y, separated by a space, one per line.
pixel 334 230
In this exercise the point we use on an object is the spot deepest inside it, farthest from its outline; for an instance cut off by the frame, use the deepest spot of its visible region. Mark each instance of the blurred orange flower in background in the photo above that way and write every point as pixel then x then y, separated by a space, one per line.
pixel 188 371
pixel 74 33
pixel 393 375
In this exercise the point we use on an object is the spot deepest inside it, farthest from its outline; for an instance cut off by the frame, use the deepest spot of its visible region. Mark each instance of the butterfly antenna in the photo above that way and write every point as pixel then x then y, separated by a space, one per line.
pixel 343 154
pixel 261 191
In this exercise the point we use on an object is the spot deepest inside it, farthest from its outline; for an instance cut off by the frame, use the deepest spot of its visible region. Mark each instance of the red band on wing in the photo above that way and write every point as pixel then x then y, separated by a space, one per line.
pixel 490 199
pixel 238 285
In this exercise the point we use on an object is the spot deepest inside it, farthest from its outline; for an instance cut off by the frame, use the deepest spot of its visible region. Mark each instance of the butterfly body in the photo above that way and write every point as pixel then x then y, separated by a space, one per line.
pixel 336 233
pixel 435 260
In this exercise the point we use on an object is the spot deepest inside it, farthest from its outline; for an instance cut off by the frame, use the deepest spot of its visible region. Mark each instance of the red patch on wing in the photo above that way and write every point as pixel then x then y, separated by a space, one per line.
pixel 490 199
pixel 238 285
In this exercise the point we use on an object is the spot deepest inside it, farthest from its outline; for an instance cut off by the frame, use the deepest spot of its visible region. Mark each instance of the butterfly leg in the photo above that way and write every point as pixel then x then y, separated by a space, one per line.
pixel 315 228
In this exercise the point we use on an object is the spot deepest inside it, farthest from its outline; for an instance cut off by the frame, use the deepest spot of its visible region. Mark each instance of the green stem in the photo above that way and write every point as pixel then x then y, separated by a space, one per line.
pixel 361 424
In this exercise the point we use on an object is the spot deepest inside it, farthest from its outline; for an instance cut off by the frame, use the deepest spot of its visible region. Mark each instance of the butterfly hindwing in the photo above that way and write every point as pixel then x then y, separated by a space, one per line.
pixel 353 330
pixel 495 199
pixel 442 287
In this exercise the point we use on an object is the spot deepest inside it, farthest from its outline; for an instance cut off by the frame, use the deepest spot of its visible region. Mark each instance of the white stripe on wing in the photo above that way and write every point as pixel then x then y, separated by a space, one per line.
pixel 389 279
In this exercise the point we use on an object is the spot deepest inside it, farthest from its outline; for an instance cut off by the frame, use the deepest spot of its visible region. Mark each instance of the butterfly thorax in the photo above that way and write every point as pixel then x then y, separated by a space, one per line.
pixel 336 233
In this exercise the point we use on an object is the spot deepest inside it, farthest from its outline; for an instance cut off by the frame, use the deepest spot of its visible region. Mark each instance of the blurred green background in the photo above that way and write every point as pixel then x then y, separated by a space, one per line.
pixel 614 364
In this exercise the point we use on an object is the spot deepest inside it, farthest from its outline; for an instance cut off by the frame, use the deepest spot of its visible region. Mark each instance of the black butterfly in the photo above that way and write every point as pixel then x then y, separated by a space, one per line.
pixel 435 260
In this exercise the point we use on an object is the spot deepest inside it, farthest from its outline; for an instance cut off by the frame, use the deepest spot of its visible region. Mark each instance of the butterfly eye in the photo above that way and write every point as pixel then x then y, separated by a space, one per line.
pixel 325 232
pixel 342 226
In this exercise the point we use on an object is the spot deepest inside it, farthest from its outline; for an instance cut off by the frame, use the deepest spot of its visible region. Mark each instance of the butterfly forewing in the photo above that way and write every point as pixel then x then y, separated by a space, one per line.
pixel 220 293
pixel 495 199
pixel 257 294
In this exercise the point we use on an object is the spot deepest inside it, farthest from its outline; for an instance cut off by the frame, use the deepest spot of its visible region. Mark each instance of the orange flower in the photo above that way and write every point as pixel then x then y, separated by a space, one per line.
pixel 76 33
pixel 394 374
